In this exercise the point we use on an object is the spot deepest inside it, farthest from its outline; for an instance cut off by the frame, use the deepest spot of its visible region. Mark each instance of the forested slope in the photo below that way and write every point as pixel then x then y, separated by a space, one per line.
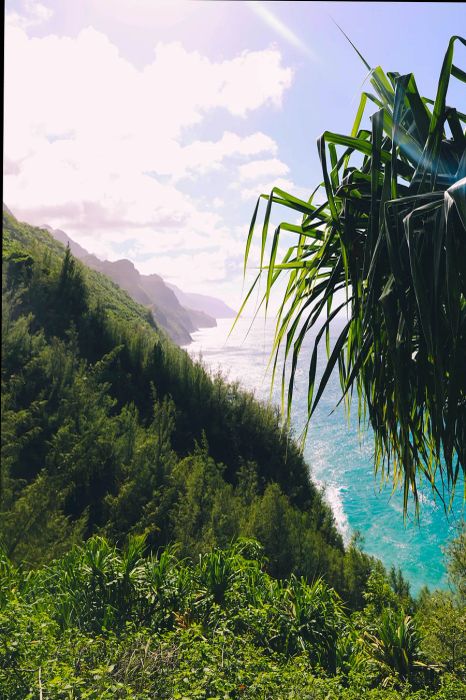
pixel 113 426
pixel 129 482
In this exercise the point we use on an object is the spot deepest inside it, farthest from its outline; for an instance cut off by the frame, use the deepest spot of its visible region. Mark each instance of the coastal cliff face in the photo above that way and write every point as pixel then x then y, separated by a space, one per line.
pixel 177 318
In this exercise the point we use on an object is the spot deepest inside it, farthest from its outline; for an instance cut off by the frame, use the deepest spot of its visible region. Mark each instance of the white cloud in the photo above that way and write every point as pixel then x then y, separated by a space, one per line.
pixel 201 156
pixel 189 269
pixel 97 147
pixel 266 186
pixel 195 85
pixel 263 168
pixel 198 260
pixel 32 14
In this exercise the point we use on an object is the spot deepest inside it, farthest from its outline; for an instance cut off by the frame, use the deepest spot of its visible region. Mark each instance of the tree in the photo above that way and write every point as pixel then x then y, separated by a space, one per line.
pixel 388 248
pixel 456 563
pixel 443 613
pixel 71 290
pixel 444 630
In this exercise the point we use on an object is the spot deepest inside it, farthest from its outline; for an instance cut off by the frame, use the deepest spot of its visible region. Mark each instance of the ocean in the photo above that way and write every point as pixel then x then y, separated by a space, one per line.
pixel 339 456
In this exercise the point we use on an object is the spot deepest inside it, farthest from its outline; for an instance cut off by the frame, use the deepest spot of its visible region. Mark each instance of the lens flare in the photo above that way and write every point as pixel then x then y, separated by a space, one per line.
pixel 279 27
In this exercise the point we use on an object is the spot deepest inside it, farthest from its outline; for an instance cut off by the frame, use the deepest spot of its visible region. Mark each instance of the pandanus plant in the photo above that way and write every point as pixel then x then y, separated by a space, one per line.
pixel 388 248
pixel 396 646
pixel 315 620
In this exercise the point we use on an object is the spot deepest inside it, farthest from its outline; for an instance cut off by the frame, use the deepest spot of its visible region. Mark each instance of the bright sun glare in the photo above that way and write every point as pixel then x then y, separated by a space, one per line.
pixel 279 27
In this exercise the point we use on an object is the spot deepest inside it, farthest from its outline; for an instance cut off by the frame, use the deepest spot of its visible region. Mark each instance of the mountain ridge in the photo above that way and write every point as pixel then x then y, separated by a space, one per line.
pixel 179 313
pixel 178 319
pixel 201 302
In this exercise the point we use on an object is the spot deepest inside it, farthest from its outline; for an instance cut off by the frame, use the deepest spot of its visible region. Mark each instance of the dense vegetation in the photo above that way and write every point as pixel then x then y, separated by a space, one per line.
pixel 102 623
pixel 109 428
pixel 388 248
pixel 129 482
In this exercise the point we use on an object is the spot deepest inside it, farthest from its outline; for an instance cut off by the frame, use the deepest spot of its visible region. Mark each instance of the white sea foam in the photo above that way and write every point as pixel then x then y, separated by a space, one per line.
pixel 333 496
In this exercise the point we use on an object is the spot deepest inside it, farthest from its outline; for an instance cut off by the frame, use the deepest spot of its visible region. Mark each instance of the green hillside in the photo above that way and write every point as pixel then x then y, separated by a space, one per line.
pixel 134 435
pixel 161 537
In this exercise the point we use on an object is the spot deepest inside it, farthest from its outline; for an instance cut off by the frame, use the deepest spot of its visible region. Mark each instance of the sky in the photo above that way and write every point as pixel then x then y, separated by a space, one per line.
pixel 146 129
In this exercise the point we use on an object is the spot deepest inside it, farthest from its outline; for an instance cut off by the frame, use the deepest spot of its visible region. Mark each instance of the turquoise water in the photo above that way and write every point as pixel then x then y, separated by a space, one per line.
pixel 340 459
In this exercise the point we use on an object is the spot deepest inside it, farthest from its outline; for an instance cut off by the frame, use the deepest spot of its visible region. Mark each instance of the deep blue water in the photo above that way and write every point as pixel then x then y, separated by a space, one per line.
pixel 340 457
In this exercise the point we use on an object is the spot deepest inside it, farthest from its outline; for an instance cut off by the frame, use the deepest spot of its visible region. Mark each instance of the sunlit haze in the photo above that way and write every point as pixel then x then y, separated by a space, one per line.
pixel 147 129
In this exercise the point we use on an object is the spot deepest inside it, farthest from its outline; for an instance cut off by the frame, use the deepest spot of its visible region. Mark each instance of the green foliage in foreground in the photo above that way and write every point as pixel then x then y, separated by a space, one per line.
pixel 391 236
pixel 102 623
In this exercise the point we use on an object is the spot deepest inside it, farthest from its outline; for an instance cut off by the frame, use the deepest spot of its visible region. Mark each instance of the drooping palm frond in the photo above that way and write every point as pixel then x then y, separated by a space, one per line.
pixel 392 236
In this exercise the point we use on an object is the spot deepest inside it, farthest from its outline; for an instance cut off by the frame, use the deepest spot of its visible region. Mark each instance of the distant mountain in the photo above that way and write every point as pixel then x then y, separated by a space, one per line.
pixel 150 290
pixel 179 313
pixel 201 302
pixel 77 250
